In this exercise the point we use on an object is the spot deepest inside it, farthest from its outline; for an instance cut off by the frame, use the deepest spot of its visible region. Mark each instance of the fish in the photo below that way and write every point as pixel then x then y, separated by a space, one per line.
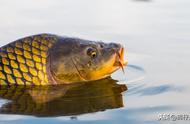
pixel 49 59
pixel 62 100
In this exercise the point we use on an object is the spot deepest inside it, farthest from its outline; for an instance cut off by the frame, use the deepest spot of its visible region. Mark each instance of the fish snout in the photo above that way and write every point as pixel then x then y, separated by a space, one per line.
pixel 115 46
pixel 119 51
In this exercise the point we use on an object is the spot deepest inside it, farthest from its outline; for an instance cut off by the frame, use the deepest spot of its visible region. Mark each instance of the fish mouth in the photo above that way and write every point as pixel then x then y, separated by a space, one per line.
pixel 119 60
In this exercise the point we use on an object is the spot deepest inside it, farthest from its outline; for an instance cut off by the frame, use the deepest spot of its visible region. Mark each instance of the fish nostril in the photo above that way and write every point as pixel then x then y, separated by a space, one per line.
pixel 101 45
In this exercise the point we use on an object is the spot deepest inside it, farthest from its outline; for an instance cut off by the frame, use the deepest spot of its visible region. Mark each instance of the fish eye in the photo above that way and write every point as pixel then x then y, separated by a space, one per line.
pixel 91 52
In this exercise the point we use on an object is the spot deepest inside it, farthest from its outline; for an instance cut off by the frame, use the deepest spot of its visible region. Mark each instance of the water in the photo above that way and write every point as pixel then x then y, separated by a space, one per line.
pixel 155 34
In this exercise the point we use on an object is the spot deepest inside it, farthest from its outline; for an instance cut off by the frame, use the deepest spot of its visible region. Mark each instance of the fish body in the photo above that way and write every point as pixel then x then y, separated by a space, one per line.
pixel 48 59
pixel 23 62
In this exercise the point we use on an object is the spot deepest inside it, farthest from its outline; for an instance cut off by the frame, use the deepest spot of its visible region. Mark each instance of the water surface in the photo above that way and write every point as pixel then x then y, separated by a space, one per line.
pixel 155 34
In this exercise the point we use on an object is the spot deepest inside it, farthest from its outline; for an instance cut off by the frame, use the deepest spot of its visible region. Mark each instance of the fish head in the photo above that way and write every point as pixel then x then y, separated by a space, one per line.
pixel 75 60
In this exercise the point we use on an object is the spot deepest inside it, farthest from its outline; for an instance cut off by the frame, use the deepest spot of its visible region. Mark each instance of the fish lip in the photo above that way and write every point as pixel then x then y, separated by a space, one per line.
pixel 122 51
pixel 119 59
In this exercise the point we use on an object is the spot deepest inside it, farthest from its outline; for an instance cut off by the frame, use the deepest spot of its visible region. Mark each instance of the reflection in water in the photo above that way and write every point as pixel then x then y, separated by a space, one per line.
pixel 63 100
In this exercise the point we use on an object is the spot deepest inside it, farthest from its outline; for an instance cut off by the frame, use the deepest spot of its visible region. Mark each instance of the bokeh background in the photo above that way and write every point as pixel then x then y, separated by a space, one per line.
pixel 156 36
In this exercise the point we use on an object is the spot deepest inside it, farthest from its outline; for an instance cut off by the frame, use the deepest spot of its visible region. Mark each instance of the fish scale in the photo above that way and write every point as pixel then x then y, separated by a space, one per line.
pixel 23 62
